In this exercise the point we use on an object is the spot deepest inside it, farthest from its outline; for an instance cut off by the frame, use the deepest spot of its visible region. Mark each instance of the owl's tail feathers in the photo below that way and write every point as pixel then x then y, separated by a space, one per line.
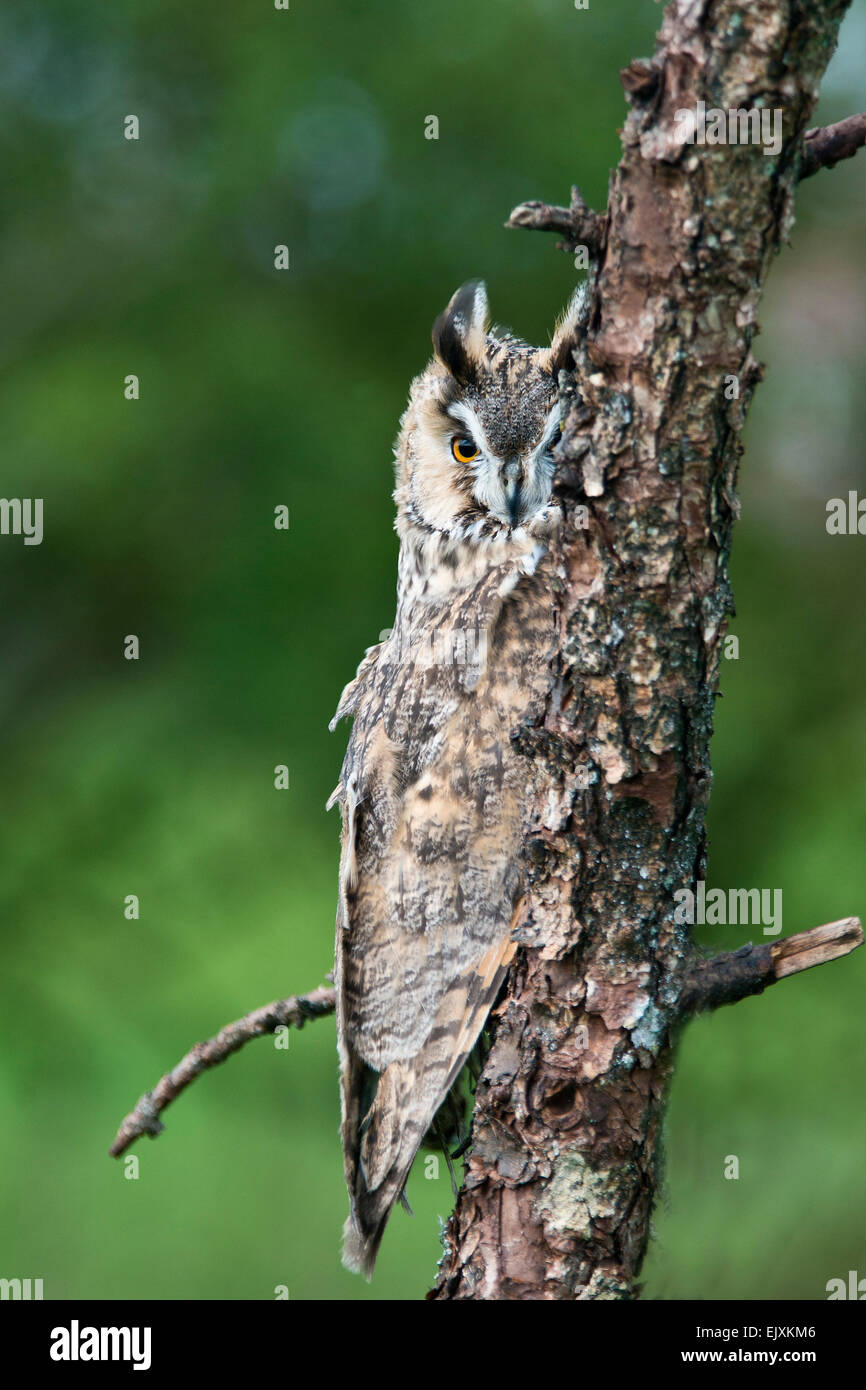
pixel 392 1131
pixel 407 1097
pixel 359 1255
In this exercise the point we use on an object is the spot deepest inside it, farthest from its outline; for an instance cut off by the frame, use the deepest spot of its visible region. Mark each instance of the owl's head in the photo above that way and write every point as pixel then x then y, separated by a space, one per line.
pixel 475 452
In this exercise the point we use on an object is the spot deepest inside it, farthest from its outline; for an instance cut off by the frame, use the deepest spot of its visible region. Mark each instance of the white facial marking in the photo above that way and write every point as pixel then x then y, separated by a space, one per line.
pixel 515 489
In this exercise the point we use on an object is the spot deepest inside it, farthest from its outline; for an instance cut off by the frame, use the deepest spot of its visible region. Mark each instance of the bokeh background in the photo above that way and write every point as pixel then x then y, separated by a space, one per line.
pixel 261 388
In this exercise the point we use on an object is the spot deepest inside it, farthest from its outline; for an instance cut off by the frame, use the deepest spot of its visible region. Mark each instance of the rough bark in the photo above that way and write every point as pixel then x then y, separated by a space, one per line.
pixel 565 1155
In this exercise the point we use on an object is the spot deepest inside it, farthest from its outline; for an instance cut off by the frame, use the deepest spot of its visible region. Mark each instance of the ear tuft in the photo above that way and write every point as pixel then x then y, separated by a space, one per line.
pixel 459 332
pixel 568 331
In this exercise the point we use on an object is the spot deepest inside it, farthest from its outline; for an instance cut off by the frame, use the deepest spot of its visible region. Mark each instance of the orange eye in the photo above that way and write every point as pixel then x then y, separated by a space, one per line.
pixel 464 449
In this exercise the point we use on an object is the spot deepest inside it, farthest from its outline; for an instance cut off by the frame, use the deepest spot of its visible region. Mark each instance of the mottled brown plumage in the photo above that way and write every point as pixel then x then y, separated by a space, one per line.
pixel 432 790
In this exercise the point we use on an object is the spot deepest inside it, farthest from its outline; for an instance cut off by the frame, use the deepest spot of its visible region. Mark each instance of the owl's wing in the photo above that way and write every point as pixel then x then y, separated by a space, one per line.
pixel 429 885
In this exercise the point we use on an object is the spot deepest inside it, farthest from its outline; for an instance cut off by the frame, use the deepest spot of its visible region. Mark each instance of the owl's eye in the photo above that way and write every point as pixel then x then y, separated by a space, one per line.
pixel 464 449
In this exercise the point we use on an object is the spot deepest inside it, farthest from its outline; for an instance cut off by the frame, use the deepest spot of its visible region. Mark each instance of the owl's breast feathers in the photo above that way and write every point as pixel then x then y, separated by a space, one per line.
pixel 432 795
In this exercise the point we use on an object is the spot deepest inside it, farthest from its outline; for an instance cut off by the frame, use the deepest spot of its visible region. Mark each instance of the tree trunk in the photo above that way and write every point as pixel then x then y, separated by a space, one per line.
pixel 565 1152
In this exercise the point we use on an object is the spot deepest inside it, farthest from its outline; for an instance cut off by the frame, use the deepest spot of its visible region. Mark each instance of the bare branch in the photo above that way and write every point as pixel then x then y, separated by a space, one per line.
pixel 578 224
pixel 824 146
pixel 289 1013
pixel 735 975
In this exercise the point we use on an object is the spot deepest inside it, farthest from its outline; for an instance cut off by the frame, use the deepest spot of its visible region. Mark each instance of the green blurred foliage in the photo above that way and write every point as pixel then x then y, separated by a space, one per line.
pixel 258 388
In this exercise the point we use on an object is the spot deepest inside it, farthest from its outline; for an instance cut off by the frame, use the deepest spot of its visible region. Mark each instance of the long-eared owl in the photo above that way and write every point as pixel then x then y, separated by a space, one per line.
pixel 432 790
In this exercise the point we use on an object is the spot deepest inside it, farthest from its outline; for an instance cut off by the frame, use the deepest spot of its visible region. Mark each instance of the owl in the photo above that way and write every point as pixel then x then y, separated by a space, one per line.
pixel 433 791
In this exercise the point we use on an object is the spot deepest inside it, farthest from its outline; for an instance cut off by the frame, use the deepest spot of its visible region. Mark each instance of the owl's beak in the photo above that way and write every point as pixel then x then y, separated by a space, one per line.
pixel 512 476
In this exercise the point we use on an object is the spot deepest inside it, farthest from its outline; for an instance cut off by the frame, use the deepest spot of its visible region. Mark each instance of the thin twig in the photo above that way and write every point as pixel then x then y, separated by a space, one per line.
pixel 824 146
pixel 290 1013
pixel 578 224
pixel 737 974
